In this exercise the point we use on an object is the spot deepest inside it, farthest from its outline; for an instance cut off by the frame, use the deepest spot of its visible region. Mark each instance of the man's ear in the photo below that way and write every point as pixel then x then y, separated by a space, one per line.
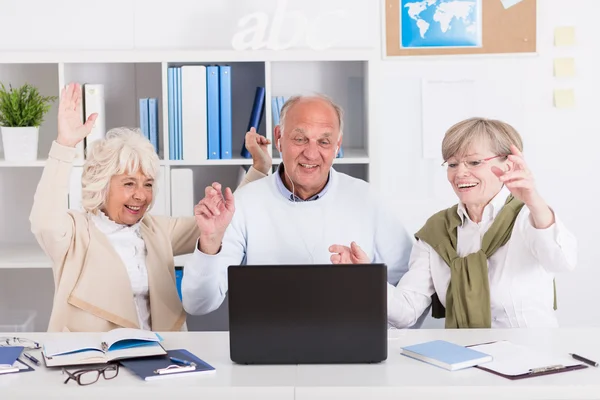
pixel 277 136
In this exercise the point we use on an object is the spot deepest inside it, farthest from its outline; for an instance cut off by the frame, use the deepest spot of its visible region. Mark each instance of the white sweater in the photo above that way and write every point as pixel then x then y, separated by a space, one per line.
pixel 268 228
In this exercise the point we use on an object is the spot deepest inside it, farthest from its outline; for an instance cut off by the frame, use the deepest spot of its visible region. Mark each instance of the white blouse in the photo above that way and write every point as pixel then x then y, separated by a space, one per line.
pixel 128 243
pixel 521 273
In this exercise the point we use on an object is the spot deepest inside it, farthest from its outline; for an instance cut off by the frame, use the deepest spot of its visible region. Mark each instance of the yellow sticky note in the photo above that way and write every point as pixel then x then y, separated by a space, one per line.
pixel 564 36
pixel 564 67
pixel 564 98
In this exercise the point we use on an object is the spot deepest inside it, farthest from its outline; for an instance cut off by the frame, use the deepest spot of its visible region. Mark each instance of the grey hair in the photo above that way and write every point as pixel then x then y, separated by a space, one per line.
pixel 461 135
pixel 122 150
pixel 295 99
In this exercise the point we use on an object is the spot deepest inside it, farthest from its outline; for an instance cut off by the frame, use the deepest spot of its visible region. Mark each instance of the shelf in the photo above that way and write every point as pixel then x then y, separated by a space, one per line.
pixel 142 56
pixel 351 156
pixel 42 163
pixel 23 256
pixel 18 256
pixel 233 161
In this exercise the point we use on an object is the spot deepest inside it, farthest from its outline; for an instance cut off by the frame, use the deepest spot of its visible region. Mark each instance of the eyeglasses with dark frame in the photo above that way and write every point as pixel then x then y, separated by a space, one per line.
pixel 88 376
pixel 18 341
pixel 470 164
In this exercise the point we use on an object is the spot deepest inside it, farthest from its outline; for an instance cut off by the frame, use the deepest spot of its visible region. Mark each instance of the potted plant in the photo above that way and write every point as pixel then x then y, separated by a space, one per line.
pixel 22 112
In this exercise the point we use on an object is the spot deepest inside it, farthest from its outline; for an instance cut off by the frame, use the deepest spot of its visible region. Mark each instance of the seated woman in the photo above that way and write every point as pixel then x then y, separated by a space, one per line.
pixel 490 260
pixel 113 263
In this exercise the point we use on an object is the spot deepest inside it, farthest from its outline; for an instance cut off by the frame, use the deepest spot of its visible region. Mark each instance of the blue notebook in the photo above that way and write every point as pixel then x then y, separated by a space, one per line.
pixel 152 368
pixel 446 355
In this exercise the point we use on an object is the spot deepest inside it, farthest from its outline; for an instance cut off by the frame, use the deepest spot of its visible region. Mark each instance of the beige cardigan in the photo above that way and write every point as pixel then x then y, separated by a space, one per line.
pixel 92 288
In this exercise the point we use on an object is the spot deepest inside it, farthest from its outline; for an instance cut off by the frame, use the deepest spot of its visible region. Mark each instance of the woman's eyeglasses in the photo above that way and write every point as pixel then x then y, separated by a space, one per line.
pixel 88 376
pixel 469 163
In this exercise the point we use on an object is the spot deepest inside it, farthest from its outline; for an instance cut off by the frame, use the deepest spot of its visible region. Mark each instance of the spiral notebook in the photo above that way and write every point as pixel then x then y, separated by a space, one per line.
pixel 515 361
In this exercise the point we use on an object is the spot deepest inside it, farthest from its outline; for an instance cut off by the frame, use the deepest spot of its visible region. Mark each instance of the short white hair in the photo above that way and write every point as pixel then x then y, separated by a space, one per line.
pixel 122 150
pixel 295 99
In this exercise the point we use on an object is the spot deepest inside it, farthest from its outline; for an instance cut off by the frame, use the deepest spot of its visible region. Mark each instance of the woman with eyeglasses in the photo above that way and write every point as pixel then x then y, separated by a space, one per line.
pixel 112 261
pixel 490 260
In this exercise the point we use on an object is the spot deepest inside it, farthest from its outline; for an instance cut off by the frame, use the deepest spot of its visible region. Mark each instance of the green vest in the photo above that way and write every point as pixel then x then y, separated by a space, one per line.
pixel 468 295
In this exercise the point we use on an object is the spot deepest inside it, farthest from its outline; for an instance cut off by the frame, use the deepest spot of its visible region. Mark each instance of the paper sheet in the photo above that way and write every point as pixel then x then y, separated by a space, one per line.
pixel 564 67
pixel 510 3
pixel 444 104
pixel 564 36
pixel 564 98
pixel 514 359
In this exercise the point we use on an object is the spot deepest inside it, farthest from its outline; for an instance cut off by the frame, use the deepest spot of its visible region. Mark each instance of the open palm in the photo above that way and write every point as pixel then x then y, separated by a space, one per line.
pixel 71 129
pixel 213 215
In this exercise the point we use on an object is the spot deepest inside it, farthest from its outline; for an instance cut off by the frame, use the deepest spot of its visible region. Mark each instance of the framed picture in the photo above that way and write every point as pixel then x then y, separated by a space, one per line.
pixel 447 27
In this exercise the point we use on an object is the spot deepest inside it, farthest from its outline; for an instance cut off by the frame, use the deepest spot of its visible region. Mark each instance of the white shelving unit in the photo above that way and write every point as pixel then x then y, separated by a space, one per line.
pixel 130 75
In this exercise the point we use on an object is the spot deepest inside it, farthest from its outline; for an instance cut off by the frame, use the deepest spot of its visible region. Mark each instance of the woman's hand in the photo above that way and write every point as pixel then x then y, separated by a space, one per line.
pixel 521 184
pixel 71 130
pixel 257 144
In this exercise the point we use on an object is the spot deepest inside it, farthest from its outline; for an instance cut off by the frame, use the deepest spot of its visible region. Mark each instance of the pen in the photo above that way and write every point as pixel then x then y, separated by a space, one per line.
pixel 32 358
pixel 180 361
pixel 585 360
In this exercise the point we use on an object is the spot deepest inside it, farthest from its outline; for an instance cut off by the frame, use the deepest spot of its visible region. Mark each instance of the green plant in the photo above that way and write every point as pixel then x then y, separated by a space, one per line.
pixel 23 106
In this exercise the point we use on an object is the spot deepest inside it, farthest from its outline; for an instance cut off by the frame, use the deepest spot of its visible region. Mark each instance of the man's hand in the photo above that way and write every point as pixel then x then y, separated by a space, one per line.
pixel 257 144
pixel 348 255
pixel 213 215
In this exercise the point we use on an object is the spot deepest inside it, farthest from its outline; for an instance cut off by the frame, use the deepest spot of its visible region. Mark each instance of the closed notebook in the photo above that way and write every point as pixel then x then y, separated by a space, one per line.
pixel 99 348
pixel 446 355
pixel 148 368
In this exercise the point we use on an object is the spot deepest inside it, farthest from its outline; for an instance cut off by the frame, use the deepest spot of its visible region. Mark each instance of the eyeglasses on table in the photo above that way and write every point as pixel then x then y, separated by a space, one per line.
pixel 88 376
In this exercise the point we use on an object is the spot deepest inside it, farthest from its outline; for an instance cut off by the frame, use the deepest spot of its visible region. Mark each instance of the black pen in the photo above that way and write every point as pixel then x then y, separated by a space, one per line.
pixel 585 360
pixel 32 359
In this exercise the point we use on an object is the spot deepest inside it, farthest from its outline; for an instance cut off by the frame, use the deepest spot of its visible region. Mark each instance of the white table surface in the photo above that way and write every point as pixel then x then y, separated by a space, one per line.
pixel 398 377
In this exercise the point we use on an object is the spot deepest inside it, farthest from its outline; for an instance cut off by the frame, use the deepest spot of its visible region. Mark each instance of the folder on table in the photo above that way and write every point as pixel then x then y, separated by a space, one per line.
pixel 514 361
pixel 160 367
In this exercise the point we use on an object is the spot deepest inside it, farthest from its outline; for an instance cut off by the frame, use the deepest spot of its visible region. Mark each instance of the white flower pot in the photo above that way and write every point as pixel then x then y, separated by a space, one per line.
pixel 20 144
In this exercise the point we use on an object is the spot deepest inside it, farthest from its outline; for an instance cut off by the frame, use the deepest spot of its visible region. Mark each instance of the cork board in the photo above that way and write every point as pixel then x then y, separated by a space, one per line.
pixel 511 30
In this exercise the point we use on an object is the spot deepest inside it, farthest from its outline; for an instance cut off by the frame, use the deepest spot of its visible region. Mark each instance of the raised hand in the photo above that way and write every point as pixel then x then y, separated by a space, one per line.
pixel 521 184
pixel 519 180
pixel 213 215
pixel 257 146
pixel 348 255
pixel 71 130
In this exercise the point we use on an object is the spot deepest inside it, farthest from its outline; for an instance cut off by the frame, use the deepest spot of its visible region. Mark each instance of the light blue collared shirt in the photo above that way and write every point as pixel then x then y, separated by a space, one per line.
pixel 291 196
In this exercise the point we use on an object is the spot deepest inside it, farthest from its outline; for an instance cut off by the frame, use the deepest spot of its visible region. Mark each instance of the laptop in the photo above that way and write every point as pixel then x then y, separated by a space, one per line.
pixel 308 314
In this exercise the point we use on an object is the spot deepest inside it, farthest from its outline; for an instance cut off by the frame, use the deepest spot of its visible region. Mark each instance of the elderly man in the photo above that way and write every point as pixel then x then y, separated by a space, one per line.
pixel 305 213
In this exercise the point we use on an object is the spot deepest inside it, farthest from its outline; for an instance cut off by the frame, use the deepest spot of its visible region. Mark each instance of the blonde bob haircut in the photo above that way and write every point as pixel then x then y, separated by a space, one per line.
pixel 123 150
pixel 499 135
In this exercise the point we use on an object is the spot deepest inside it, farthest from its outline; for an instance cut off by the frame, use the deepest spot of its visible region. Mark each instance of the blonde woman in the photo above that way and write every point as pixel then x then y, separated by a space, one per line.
pixel 113 262
pixel 490 260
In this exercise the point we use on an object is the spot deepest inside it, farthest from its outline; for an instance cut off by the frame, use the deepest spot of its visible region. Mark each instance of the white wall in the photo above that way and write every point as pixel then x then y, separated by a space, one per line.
pixel 561 146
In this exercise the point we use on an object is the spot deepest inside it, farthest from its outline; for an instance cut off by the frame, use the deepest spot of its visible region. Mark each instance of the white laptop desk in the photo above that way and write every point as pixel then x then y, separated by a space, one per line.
pixel 399 377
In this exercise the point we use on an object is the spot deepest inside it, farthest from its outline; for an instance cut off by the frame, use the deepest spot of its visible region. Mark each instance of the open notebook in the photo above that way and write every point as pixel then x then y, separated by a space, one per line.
pixel 100 348
pixel 515 361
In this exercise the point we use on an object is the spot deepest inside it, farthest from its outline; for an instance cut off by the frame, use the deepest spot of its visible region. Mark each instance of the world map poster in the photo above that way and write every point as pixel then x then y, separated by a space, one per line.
pixel 440 23
pixel 454 27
